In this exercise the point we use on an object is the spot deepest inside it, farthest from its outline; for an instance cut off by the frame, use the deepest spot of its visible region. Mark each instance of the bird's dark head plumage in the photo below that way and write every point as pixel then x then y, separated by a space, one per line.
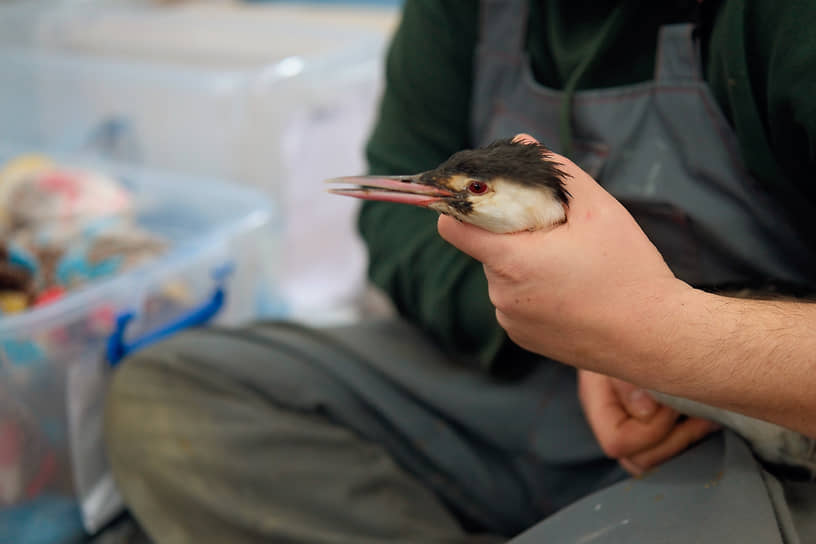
pixel 526 163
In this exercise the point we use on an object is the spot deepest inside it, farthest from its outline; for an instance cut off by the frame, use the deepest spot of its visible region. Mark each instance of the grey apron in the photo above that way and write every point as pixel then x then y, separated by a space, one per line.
pixel 665 150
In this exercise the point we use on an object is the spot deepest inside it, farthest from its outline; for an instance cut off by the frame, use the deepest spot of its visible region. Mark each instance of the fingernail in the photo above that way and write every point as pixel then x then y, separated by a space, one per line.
pixel 642 403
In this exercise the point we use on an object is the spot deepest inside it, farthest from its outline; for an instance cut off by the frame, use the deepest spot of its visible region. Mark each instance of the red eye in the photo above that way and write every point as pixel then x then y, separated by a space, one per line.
pixel 477 187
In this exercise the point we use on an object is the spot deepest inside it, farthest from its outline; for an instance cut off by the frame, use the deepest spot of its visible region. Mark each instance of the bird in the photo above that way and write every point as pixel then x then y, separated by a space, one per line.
pixel 511 186
pixel 507 186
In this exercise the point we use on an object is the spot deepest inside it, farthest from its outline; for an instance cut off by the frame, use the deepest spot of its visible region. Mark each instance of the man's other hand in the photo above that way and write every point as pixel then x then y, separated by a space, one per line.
pixel 631 426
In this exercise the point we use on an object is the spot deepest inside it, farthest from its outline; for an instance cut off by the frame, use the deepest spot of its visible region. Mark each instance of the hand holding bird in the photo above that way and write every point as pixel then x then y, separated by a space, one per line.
pixel 578 292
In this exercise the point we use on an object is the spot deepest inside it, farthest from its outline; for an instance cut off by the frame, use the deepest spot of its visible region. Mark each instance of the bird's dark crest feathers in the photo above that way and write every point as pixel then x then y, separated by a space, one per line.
pixel 527 163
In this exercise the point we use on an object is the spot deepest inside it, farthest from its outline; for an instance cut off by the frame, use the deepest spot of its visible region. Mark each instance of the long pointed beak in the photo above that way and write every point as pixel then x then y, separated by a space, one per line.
pixel 401 189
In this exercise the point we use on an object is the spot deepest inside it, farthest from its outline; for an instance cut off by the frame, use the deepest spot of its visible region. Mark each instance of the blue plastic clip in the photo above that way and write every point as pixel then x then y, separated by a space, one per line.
pixel 22 258
pixel 118 349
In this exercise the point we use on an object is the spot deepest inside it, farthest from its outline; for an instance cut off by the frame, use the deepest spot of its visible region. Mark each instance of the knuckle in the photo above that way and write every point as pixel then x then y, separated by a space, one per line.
pixel 501 298
pixel 510 268
pixel 496 296
pixel 504 322
pixel 613 449
pixel 511 272
pixel 655 434
pixel 509 327
pixel 513 333
pixel 645 461
pixel 612 445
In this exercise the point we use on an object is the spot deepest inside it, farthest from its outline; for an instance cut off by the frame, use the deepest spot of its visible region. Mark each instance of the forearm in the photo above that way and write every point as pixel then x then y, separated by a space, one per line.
pixel 751 356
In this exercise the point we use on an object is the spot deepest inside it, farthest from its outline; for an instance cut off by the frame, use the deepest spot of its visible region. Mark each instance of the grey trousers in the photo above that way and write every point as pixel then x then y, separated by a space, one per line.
pixel 276 433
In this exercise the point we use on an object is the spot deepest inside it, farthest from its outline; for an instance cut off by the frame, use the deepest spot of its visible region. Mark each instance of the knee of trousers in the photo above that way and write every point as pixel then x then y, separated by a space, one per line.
pixel 197 377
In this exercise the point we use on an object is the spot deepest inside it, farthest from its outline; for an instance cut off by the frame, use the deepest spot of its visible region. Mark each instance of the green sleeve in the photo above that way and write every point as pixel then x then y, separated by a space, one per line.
pixel 762 70
pixel 423 119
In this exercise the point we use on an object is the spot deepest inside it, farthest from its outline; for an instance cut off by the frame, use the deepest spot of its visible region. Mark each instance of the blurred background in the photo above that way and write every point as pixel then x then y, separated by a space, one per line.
pixel 161 166
pixel 272 95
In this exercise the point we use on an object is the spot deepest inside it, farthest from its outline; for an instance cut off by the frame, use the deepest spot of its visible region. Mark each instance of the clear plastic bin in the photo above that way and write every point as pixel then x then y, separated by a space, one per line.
pixel 277 96
pixel 53 359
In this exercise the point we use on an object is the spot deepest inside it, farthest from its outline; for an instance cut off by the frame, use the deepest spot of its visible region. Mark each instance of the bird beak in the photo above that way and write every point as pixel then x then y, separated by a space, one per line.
pixel 401 189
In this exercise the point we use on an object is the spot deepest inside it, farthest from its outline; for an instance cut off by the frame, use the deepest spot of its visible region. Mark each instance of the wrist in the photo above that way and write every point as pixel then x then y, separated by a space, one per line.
pixel 659 337
pixel 713 348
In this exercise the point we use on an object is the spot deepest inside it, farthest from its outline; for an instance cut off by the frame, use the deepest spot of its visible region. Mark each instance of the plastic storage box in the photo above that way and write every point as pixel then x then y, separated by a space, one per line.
pixel 276 96
pixel 54 359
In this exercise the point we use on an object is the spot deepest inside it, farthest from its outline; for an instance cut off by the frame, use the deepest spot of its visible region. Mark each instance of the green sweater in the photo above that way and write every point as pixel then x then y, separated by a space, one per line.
pixel 760 62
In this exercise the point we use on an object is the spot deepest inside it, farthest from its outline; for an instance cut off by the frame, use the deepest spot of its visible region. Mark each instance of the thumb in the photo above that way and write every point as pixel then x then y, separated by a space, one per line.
pixel 523 137
pixel 637 402
pixel 577 182
pixel 479 243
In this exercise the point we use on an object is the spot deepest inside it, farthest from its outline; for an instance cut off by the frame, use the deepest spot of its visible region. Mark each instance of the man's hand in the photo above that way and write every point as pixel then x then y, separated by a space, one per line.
pixel 577 292
pixel 632 427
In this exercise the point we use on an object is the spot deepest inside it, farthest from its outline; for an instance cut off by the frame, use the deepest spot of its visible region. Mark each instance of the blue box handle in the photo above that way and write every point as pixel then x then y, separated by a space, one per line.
pixel 118 349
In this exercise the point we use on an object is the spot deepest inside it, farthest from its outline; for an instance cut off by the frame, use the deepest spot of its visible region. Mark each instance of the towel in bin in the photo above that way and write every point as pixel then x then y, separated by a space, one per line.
pixel 63 227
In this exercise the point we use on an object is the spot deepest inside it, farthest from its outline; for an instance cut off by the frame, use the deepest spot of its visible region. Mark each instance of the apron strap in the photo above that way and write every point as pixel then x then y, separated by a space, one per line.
pixel 503 26
pixel 678 54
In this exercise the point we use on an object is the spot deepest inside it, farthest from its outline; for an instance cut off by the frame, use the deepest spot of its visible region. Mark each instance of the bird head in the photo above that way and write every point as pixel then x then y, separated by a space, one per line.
pixel 507 186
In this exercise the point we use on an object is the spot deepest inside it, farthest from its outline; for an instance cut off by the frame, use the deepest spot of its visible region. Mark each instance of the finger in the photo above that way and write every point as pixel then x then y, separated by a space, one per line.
pixel 586 193
pixel 636 401
pixel 682 436
pixel 619 434
pixel 480 244
pixel 567 166
pixel 524 138
pixel 633 436
pixel 578 183
pixel 631 468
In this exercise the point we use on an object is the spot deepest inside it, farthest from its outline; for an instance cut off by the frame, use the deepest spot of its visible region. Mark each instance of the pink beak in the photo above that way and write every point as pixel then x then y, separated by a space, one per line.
pixel 401 189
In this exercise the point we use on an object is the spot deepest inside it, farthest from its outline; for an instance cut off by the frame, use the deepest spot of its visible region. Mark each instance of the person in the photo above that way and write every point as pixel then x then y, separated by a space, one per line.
pixel 463 421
